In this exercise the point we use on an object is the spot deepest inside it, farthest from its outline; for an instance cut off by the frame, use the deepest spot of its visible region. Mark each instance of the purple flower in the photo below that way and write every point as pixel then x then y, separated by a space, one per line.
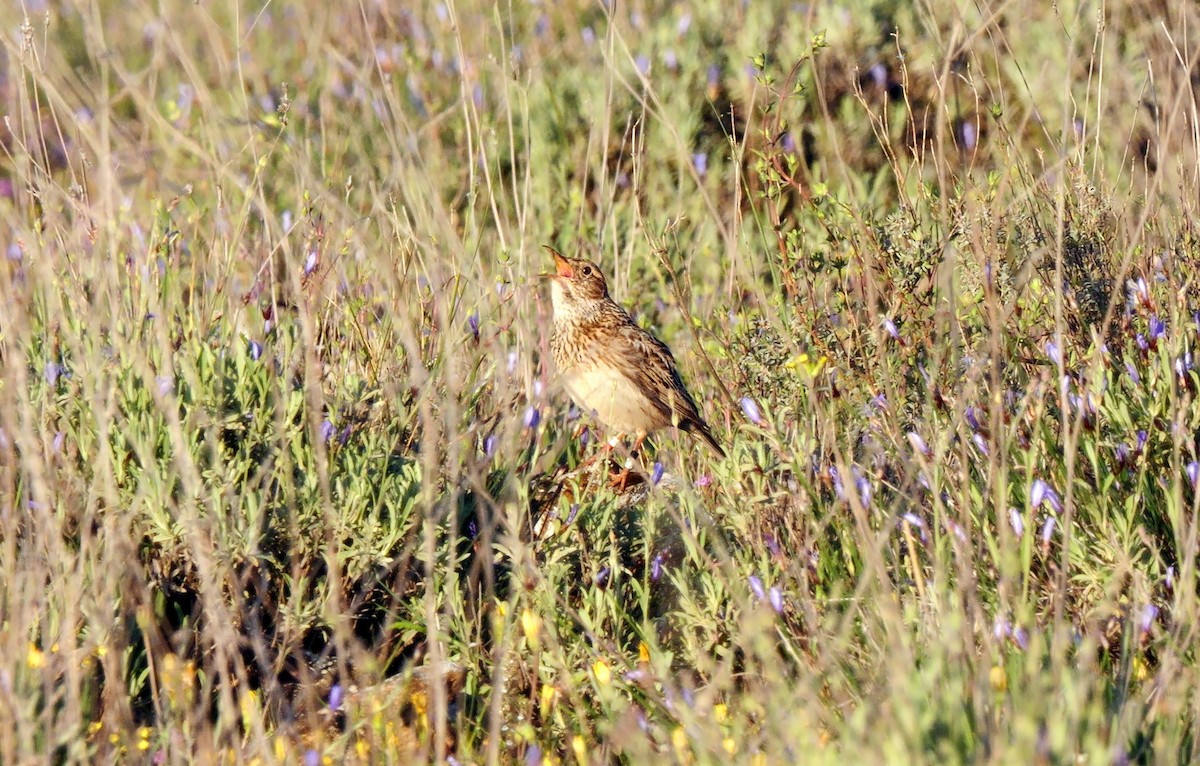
pixel 165 384
pixel 656 567
pixel 890 327
pixel 775 597
pixel 836 476
pixel 1037 493
pixel 489 445
pixel 473 324
pixel 1053 353
pixel 1021 636
pixel 970 134
pixel 972 416
pixel 1142 345
pixel 255 350
pixel 312 758
pixel 751 411
pixel 310 263
pixel 1149 613
pixel 532 417
pixel 643 64
pixel 1193 472
pixel 572 513
pixel 1048 529
pixel 326 430
pixel 588 35
pixel 1018 523
pixel 1133 373
pixel 703 480
pixel 335 697
pixel 862 484
pixel 657 474
pixel 57 445
pixel 533 756
pixel 1170 578
pixel 1139 292
pixel 1142 438
pixel 602 576
pixel 914 519
pixel 1122 455
pixel 756 587
pixel 980 443
pixel 700 162
pixel 918 444
pixel 52 371
pixel 1157 329
pixel 1183 365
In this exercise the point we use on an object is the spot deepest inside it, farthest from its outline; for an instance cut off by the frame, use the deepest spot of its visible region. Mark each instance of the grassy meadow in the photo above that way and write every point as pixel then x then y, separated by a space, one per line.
pixel 286 477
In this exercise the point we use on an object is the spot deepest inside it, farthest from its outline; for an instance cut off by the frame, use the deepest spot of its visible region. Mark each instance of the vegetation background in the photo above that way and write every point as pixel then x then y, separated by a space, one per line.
pixel 278 438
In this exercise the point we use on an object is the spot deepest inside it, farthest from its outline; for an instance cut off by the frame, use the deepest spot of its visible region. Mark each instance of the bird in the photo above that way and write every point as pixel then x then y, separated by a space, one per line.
pixel 612 367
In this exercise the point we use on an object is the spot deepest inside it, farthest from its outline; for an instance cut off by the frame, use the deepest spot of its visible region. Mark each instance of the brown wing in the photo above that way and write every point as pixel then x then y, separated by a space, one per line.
pixel 656 372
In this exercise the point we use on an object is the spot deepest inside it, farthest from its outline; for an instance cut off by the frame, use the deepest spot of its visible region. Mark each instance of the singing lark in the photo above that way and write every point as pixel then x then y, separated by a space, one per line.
pixel 612 367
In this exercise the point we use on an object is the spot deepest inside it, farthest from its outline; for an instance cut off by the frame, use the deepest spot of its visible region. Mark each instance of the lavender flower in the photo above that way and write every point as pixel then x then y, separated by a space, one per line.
pixel 335 697
pixel 1142 438
pixel 775 598
pixel 643 64
pixel 656 474
pixel 256 350
pixel 1053 353
pixel 756 587
pixel 972 416
pixel 1170 578
pixel 1133 373
pixel 602 576
pixel 1193 472
pixel 1018 523
pixel 890 327
pixel 473 324
pixel 1141 343
pixel 1157 329
pixel 533 756
pixel 326 430
pixel 1037 493
pixel 751 411
pixel 700 162
pixel 862 484
pixel 588 35
pixel 1146 621
pixel 980 444
pixel 918 444
pixel 656 567
pixel 489 445
pixel 572 513
pixel 1048 529
pixel 532 417
pixel 310 263
pixel 312 758
pixel 836 477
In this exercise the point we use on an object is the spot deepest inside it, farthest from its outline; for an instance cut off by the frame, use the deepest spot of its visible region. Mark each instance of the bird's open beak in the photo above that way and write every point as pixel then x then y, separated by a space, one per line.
pixel 562 267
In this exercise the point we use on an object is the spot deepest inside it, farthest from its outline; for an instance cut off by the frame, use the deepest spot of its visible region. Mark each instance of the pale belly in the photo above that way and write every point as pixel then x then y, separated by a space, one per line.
pixel 617 402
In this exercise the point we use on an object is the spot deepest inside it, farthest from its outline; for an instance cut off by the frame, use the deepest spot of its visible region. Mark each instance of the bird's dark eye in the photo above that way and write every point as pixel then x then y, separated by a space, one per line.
pixel 587 271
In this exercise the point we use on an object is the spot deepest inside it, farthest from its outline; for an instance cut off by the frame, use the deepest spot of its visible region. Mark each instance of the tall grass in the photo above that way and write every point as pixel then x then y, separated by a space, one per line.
pixel 285 475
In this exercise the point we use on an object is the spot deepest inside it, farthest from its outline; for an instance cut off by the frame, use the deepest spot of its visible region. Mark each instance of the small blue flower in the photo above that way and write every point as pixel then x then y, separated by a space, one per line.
pixel 1037 493
pixel 489 445
pixel 972 416
pixel 52 371
pixel 601 579
pixel 700 162
pixel 1053 353
pixel 473 324
pixel 980 444
pixel 310 263
pixel 1133 373
pixel 1149 614
pixel 588 35
pixel 312 758
pixel 756 587
pixel 643 64
pixel 836 476
pixel 656 567
pixel 1048 529
pixel 256 350
pixel 1193 472
pixel 657 474
pixel 775 597
pixel 1170 578
pixel 1157 329
pixel 326 430
pixel 335 697
pixel 532 417
pixel 1142 438
pixel 1142 345
pixel 533 756
pixel 862 484
pixel 1018 523
pixel 572 513
pixel 751 411
pixel 918 444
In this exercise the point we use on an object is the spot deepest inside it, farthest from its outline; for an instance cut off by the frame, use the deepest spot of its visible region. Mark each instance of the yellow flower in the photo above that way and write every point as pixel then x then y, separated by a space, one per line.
pixel 643 652
pixel 36 659
pixel 531 624
pixel 602 672
pixel 729 745
pixel 998 678
pixel 720 712
pixel 143 744
pixel 580 748
pixel 95 726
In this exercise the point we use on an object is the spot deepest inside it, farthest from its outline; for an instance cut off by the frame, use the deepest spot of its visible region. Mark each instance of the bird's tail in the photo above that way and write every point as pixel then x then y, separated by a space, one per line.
pixel 701 429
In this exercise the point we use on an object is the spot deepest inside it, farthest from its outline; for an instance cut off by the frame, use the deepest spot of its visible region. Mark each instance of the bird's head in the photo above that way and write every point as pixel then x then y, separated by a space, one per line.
pixel 576 286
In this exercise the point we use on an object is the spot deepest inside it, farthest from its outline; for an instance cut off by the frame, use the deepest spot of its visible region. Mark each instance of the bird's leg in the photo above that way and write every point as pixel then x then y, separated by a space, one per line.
pixel 619 481
pixel 603 452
